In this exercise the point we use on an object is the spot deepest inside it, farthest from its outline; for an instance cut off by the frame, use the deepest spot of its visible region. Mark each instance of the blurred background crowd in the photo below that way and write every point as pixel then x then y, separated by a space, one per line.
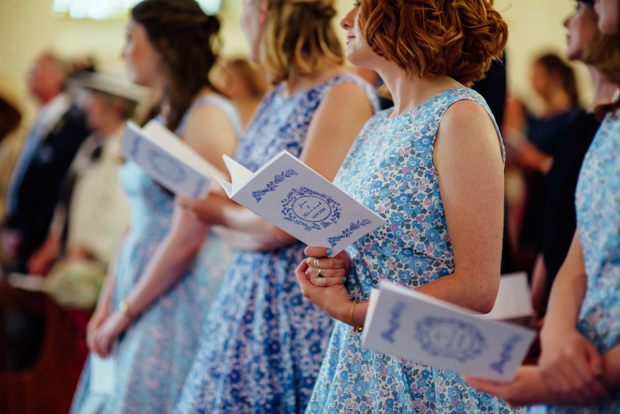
pixel 62 80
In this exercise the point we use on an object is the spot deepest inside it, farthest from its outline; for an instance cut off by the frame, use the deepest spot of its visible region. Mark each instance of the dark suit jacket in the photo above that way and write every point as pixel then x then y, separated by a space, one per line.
pixel 38 193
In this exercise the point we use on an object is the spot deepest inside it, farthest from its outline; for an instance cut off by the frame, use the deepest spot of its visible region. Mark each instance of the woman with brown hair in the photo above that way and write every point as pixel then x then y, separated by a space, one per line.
pixel 433 168
pixel 262 342
pixel 165 273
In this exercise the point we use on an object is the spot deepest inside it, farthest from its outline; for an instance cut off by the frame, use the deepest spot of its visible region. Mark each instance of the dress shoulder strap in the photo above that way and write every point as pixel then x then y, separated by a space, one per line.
pixel 219 102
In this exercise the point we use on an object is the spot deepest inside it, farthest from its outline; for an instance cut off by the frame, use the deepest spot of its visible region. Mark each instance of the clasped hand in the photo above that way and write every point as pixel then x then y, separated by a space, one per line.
pixel 103 328
pixel 327 291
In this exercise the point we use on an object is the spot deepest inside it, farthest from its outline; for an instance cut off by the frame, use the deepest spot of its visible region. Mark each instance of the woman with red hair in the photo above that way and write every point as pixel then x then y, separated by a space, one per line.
pixel 433 168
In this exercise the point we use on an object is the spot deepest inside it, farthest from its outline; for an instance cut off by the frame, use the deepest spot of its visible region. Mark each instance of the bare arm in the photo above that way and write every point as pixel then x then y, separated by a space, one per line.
pixel 207 131
pixel 327 143
pixel 468 160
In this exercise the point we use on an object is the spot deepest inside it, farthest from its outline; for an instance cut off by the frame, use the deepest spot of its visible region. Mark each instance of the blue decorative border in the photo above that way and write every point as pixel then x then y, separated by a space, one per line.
pixel 308 225
pixel 506 354
pixel 200 187
pixel 277 179
pixel 395 314
pixel 450 338
pixel 346 233
pixel 135 145
pixel 170 170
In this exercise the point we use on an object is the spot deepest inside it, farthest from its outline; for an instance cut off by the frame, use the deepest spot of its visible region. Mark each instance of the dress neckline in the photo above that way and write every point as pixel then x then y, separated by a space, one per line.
pixel 434 98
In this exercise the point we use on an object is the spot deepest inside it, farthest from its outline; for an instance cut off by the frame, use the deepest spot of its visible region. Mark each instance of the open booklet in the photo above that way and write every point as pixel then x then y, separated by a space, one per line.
pixel 422 329
pixel 168 160
pixel 293 197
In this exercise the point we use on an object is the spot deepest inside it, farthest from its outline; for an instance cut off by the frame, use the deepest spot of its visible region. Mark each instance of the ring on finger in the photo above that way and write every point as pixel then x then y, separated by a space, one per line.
pixel 317 263
pixel 320 274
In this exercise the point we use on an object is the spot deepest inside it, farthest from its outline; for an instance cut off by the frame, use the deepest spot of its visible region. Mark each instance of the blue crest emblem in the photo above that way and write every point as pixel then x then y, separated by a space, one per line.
pixel 166 166
pixel 450 338
pixel 310 209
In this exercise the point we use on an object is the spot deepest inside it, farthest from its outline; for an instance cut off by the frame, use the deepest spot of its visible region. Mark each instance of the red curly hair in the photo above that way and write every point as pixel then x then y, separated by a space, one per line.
pixel 457 38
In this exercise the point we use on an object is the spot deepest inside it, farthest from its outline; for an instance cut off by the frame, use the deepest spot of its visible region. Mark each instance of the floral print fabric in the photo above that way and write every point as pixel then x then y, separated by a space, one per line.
pixel 390 170
pixel 155 353
pixel 263 342
pixel 597 200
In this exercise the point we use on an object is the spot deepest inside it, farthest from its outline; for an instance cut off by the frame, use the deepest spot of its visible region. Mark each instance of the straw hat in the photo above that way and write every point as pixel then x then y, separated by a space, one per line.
pixel 113 85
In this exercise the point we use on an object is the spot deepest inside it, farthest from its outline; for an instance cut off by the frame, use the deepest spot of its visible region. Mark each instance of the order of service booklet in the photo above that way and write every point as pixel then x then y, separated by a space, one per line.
pixel 295 198
pixel 168 160
pixel 102 374
pixel 422 329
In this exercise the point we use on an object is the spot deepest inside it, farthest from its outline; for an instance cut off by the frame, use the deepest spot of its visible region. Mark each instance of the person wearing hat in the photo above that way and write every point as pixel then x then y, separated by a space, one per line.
pixel 92 212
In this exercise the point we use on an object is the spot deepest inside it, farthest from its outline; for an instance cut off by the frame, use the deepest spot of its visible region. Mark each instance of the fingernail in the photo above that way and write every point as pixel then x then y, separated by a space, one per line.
pixel 328 251
pixel 344 279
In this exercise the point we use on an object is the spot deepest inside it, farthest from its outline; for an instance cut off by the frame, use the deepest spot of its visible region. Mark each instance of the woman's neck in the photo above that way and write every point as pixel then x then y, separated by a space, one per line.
pixel 604 90
pixel 298 82
pixel 409 92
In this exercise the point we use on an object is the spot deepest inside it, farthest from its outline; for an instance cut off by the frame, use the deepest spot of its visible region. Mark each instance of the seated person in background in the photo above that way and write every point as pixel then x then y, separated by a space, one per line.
pixel 56 134
pixel 586 44
pixel 92 212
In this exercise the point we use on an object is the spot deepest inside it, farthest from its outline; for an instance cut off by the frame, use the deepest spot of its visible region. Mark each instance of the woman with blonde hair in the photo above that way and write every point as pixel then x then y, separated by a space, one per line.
pixel 263 342
pixel 433 168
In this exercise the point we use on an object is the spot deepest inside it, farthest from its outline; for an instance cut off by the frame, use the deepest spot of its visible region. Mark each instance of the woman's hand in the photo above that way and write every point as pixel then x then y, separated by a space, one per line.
pixel 527 388
pixel 333 298
pixel 209 210
pixel 99 316
pixel 113 326
pixel 570 365
pixel 334 271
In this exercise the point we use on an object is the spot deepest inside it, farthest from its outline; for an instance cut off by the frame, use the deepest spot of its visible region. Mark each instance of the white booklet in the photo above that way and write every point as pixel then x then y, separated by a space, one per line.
pixel 293 197
pixel 422 329
pixel 102 374
pixel 514 299
pixel 168 160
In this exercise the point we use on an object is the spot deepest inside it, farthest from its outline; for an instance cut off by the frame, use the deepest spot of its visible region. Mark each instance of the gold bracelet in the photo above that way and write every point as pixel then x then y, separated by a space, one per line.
pixel 126 310
pixel 356 328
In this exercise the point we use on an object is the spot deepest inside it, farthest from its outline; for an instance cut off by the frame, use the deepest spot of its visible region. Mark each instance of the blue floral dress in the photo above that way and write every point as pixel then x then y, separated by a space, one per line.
pixel 597 201
pixel 390 170
pixel 263 342
pixel 156 352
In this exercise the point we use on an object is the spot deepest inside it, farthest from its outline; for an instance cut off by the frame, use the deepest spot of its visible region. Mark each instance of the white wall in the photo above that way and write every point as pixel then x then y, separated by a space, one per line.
pixel 27 27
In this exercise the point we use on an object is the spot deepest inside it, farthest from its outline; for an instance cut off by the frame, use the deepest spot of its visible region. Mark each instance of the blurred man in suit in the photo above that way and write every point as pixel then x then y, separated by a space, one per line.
pixel 53 140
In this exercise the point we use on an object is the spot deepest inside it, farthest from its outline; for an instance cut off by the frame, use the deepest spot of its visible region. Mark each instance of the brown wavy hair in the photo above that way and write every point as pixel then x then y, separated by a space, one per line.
pixel 457 38
pixel 187 39
pixel 300 33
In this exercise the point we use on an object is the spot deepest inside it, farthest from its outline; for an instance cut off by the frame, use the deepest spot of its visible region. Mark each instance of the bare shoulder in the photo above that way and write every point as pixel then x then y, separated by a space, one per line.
pixel 347 96
pixel 465 118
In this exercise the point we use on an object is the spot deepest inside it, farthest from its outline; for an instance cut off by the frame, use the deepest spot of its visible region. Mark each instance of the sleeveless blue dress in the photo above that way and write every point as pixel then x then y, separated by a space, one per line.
pixel 597 201
pixel 263 342
pixel 390 170
pixel 156 352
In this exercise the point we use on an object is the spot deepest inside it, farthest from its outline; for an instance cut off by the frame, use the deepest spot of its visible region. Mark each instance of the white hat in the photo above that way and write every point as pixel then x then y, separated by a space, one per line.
pixel 113 85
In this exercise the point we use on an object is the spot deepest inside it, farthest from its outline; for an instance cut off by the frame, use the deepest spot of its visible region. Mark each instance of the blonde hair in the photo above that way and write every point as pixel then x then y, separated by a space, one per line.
pixel 300 34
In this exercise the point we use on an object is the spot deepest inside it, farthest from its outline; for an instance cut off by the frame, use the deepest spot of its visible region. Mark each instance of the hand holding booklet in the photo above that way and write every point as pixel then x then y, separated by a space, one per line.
pixel 293 197
pixel 422 329
pixel 168 160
